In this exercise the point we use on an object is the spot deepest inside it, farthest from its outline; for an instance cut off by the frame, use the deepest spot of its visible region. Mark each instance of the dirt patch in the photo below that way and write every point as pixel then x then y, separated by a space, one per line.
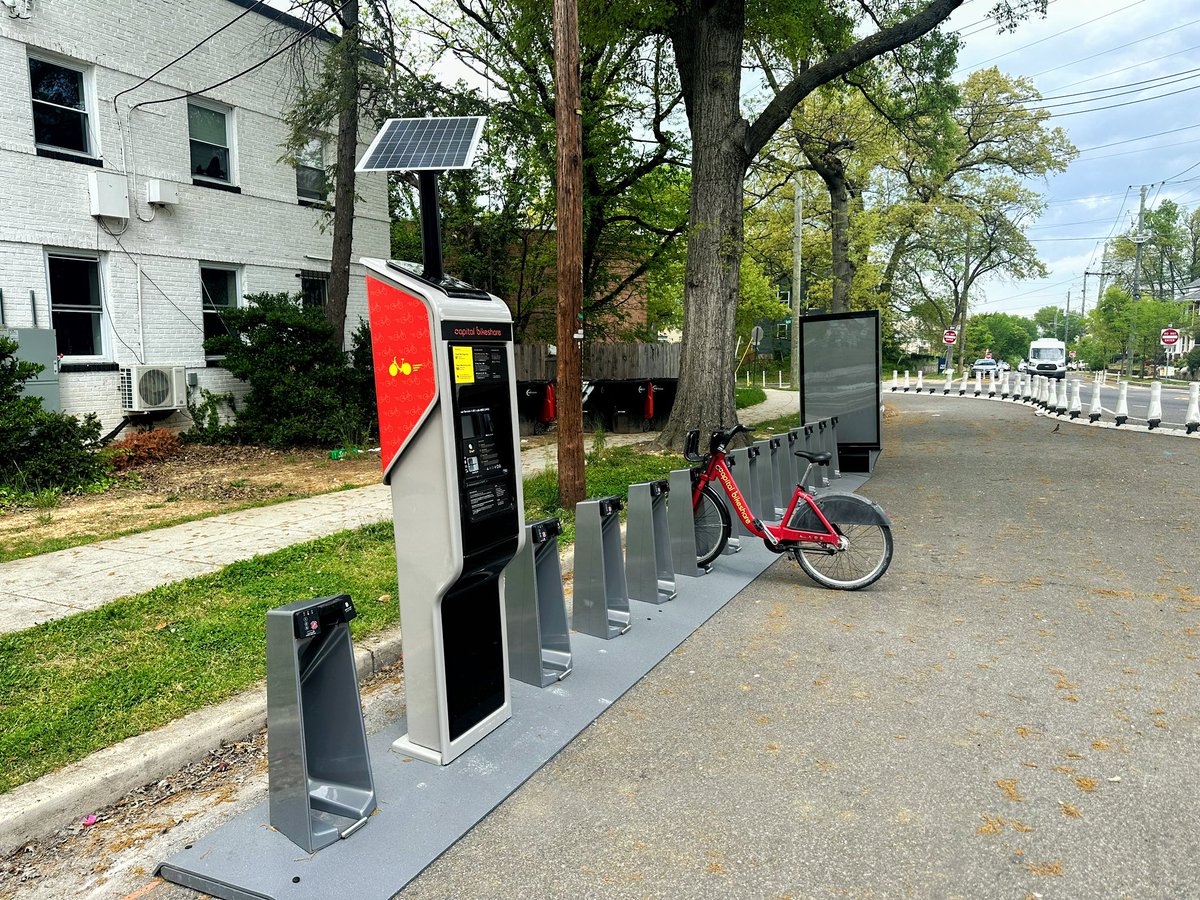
pixel 202 481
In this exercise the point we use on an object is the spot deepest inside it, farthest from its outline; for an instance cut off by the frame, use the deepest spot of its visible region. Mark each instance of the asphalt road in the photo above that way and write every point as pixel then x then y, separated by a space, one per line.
pixel 1012 711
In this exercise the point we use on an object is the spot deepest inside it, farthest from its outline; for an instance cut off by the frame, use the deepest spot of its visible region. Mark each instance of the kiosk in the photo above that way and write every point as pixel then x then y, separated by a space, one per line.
pixel 446 392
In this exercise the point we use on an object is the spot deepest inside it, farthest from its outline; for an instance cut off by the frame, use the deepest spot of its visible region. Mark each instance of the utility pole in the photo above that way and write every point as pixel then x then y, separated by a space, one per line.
pixel 1138 239
pixel 569 222
pixel 798 306
pixel 962 345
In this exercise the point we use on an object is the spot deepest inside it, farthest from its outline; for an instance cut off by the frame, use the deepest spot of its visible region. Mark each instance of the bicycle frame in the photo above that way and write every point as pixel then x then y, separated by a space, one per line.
pixel 716 470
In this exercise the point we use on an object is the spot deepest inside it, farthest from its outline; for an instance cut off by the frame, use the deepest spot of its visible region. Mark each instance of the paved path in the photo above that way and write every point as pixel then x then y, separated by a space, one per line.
pixel 55 585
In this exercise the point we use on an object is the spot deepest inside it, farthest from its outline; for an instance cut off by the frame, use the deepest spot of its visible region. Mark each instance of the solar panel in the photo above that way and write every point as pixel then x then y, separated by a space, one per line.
pixel 413 145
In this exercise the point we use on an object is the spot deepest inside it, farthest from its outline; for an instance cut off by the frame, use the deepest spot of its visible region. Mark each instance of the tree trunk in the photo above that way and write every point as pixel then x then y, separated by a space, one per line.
pixel 707 40
pixel 569 214
pixel 343 197
pixel 833 173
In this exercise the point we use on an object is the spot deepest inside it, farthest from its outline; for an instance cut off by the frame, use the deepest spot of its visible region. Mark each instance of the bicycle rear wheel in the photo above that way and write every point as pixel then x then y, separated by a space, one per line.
pixel 712 526
pixel 865 557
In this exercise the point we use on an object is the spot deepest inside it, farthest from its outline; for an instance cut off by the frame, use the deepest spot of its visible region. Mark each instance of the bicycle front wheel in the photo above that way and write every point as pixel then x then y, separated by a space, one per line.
pixel 865 556
pixel 712 526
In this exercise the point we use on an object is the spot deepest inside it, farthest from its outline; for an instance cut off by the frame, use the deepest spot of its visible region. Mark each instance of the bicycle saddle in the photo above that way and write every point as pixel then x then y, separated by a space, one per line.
pixel 821 459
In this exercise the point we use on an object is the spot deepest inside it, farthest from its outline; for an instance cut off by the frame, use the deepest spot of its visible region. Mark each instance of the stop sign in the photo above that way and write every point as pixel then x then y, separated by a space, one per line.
pixel 1169 337
pixel 949 336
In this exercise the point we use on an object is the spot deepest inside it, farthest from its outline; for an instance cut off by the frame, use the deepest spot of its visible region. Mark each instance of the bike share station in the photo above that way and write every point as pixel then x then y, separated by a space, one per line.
pixel 496 680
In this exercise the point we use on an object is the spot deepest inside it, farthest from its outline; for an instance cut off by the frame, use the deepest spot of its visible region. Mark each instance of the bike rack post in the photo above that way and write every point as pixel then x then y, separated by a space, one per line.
pixel 745 474
pixel 601 603
pixel 835 465
pixel 682 524
pixel 795 441
pixel 765 473
pixel 539 638
pixel 781 456
pixel 648 544
pixel 823 433
pixel 811 476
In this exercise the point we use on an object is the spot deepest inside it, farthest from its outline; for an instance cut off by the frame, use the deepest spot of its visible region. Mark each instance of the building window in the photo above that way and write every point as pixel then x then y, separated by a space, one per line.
pixel 310 173
pixel 314 289
pixel 781 330
pixel 211 144
pixel 61 118
pixel 219 286
pixel 76 306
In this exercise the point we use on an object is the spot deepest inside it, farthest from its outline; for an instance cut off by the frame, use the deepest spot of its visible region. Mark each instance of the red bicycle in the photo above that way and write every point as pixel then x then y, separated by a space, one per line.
pixel 841 540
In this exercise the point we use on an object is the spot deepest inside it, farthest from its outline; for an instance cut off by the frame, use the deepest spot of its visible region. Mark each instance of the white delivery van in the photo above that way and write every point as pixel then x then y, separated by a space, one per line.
pixel 1047 357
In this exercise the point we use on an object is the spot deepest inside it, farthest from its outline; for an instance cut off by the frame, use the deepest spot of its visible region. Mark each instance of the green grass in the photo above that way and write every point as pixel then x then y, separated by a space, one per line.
pixel 775 426
pixel 75 685
pixel 750 396
pixel 608 472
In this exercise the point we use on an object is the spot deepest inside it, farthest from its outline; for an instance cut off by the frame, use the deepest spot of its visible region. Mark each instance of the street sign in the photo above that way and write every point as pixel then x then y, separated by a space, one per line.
pixel 756 335
pixel 1169 337
pixel 987 354
pixel 1071 354
pixel 949 336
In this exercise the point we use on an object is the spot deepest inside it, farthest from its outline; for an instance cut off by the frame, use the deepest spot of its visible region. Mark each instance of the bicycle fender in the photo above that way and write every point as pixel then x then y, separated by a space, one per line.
pixel 840 511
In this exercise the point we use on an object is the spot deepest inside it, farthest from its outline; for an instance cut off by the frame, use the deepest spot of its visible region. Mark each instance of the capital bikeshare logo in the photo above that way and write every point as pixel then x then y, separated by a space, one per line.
pixel 739 502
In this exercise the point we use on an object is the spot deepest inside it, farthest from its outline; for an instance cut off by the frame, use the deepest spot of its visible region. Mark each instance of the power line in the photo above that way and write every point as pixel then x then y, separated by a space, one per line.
pixel 286 47
pixel 1142 150
pixel 1145 62
pixel 190 51
pixel 1144 137
pixel 1056 34
pixel 1114 49
pixel 1080 112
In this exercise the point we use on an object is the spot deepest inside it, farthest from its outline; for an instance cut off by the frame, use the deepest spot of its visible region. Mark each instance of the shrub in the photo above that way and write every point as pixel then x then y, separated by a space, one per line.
pixel 40 449
pixel 302 391
pixel 142 447
pixel 207 427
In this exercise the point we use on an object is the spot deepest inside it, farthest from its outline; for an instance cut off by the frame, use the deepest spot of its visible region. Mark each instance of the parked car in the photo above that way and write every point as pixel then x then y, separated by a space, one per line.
pixel 1004 366
pixel 984 367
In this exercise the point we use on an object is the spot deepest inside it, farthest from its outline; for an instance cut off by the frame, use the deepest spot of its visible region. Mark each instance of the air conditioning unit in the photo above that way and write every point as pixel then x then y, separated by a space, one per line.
pixel 150 388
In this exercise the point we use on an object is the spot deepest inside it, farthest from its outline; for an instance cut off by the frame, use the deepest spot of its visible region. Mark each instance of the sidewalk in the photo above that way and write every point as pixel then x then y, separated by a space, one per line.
pixel 56 585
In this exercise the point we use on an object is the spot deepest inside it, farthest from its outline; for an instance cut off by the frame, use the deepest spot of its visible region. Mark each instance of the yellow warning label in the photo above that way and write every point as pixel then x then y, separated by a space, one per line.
pixel 464 365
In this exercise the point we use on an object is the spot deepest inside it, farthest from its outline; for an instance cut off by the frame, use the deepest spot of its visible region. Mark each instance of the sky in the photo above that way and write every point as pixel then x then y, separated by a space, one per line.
pixel 1146 50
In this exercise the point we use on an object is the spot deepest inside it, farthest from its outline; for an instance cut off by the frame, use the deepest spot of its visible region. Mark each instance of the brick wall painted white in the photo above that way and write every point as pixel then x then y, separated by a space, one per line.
pixel 263 229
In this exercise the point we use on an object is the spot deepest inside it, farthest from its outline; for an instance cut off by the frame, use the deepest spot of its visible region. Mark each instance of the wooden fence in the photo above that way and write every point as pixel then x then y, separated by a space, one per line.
pixel 603 362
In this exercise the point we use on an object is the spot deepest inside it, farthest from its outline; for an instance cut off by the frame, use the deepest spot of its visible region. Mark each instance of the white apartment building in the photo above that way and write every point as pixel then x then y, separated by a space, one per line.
pixel 137 204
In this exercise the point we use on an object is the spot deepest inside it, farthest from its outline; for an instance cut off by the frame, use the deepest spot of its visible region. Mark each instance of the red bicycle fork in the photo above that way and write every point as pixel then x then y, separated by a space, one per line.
pixel 780 534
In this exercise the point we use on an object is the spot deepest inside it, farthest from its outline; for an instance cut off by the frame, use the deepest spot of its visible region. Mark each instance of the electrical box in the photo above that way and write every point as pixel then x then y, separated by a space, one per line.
pixel 110 194
pixel 162 193
pixel 446 389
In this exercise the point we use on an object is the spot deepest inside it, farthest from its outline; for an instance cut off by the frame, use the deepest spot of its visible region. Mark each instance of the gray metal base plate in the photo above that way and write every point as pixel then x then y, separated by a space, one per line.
pixel 424 809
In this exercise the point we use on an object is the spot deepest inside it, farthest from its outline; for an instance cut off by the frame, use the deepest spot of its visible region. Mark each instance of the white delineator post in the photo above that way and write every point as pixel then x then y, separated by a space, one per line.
pixel 906 381
pixel 949 382
pixel 1052 397
pixel 1122 402
pixel 978 384
pixel 1154 413
pixel 1193 411
pixel 920 381
pixel 1061 408
pixel 895 379
pixel 962 388
pixel 1096 410
pixel 992 386
pixel 1005 384
pixel 1076 406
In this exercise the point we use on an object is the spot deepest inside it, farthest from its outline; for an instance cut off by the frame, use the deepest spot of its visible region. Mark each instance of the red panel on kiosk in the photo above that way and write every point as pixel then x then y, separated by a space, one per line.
pixel 402 349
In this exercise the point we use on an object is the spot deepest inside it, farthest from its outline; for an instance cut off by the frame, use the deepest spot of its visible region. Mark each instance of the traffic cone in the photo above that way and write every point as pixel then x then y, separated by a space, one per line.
pixel 1154 414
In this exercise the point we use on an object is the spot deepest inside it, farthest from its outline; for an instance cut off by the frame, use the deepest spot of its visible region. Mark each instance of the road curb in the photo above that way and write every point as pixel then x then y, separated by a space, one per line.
pixel 41 807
